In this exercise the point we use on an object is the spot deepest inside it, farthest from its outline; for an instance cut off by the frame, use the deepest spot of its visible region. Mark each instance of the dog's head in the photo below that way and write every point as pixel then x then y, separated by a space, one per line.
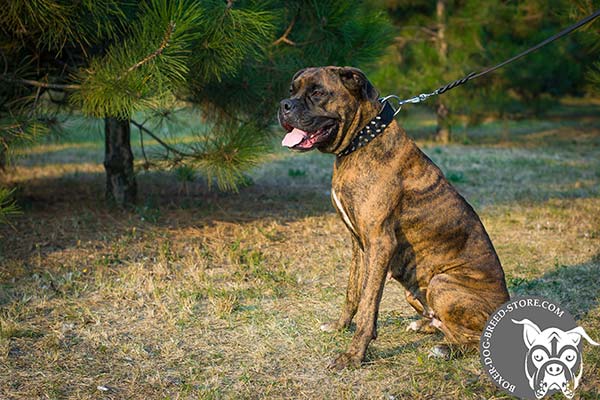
pixel 326 107
pixel 553 361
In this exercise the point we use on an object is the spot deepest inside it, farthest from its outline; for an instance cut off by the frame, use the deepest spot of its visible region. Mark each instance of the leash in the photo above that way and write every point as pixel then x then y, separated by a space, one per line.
pixel 473 75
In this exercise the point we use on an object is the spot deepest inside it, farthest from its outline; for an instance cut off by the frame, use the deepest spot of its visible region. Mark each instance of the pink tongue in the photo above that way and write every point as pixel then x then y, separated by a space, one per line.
pixel 294 137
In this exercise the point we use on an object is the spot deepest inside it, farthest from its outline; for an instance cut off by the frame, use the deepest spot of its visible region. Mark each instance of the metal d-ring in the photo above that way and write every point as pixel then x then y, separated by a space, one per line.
pixel 393 96
pixel 412 100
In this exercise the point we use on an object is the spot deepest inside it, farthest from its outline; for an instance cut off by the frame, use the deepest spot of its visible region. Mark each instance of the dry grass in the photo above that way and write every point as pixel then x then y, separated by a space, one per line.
pixel 212 295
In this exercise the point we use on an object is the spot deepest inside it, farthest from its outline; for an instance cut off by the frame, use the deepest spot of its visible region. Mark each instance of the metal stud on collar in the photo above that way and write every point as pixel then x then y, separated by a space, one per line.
pixel 373 128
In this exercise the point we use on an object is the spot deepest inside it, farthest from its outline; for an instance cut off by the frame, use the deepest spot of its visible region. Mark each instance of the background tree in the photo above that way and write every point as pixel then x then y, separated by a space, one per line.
pixel 579 10
pixel 441 41
pixel 121 60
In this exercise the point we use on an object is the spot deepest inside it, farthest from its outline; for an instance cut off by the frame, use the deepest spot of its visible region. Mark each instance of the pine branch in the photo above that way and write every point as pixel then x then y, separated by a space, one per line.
pixel 35 102
pixel 167 146
pixel 284 37
pixel 45 85
pixel 8 206
pixel 157 52
pixel 146 163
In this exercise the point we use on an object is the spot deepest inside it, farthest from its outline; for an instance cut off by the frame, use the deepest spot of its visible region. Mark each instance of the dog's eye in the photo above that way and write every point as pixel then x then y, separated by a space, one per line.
pixel 317 93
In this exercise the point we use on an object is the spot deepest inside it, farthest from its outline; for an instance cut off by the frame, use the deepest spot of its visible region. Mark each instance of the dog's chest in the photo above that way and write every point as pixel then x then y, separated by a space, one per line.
pixel 363 194
pixel 340 207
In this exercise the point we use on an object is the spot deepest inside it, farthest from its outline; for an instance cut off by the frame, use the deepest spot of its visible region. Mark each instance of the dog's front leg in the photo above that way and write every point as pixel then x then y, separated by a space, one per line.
pixel 378 253
pixel 354 290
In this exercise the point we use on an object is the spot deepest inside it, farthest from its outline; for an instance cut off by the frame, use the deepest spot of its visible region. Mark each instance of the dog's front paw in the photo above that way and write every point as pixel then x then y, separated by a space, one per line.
pixel 345 360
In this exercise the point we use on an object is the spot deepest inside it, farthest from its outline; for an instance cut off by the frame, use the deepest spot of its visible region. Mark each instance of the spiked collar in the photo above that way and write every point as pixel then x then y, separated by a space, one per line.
pixel 372 129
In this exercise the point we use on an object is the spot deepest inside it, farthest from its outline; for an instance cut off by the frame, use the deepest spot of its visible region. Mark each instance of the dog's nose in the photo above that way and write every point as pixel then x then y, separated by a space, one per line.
pixel 554 369
pixel 286 105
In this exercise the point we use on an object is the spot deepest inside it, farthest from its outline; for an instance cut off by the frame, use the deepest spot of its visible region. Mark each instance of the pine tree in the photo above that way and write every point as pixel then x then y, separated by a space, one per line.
pixel 578 10
pixel 117 60
pixel 439 42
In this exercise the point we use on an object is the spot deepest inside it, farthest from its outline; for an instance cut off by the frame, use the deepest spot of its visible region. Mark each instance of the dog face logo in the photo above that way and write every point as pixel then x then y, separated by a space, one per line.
pixel 553 361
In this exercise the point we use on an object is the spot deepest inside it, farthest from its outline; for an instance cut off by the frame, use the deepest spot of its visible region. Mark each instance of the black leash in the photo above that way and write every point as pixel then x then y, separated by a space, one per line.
pixel 474 75
pixel 387 113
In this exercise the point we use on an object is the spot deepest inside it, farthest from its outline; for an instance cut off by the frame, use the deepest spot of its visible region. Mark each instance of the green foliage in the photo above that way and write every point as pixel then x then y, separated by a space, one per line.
pixel 580 9
pixel 308 33
pixel 227 36
pixel 232 59
pixel 226 151
pixel 54 25
pixel 185 173
pixel 294 172
pixel 479 35
pixel 8 206
pixel 20 131
pixel 139 72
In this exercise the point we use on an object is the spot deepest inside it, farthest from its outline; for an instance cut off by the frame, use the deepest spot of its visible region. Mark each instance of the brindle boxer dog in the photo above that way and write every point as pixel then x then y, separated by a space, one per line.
pixel 403 215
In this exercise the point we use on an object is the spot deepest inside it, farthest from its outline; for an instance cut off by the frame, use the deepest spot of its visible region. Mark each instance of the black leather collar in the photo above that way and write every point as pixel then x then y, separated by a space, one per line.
pixel 373 129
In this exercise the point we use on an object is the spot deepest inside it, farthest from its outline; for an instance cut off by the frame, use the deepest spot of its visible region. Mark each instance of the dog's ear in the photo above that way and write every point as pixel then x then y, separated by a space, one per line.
pixel 576 334
pixel 297 74
pixel 356 82
pixel 530 331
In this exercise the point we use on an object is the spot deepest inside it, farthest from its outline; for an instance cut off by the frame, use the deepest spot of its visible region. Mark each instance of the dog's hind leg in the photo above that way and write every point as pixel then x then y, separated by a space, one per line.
pixel 354 290
pixel 462 311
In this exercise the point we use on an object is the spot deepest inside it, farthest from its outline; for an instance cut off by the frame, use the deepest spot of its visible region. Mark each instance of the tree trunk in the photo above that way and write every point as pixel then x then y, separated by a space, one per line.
pixel 118 162
pixel 3 160
pixel 443 126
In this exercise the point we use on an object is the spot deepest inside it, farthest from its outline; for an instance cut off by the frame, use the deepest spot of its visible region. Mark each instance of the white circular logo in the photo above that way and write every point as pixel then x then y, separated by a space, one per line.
pixel 531 348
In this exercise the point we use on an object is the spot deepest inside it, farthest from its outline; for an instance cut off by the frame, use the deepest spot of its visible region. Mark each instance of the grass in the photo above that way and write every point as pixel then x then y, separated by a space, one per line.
pixel 198 294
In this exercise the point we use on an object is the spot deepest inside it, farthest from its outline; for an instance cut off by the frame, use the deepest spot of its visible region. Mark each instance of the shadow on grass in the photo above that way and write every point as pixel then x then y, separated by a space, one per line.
pixel 61 211
pixel 159 193
pixel 574 287
pixel 420 344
